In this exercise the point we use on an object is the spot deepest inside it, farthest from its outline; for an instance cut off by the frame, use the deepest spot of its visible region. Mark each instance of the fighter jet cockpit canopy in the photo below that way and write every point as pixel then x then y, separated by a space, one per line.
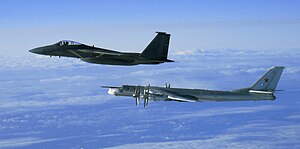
pixel 68 42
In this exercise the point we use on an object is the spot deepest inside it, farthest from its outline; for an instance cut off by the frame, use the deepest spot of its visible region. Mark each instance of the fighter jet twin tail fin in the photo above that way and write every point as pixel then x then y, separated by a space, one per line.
pixel 158 47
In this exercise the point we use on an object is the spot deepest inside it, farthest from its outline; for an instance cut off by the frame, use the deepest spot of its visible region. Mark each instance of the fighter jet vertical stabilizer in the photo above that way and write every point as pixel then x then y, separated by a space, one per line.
pixel 158 47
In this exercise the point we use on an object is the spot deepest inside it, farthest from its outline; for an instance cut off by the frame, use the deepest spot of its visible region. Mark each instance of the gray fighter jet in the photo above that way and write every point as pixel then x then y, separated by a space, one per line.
pixel 263 89
pixel 155 53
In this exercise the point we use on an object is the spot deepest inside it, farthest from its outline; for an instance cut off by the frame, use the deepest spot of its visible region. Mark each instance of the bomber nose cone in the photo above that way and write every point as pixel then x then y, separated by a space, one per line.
pixel 112 91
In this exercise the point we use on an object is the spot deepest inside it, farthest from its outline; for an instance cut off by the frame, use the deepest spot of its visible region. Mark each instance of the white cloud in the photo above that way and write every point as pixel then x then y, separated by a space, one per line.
pixel 39 62
pixel 68 78
pixel 292 70
pixel 235 52
pixel 19 142
pixel 294 117
pixel 159 71
pixel 189 52
pixel 265 135
pixel 253 70
pixel 221 141
pixel 219 112
pixel 231 71
pixel 26 141
pixel 82 100
pixel 187 72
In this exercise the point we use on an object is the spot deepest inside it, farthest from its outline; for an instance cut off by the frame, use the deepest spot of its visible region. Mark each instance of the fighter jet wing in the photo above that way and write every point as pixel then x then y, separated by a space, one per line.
pixel 100 53
pixel 173 95
pixel 94 53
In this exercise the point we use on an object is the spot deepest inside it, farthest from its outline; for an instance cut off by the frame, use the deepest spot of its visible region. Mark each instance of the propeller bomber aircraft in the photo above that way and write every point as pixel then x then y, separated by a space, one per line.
pixel 263 89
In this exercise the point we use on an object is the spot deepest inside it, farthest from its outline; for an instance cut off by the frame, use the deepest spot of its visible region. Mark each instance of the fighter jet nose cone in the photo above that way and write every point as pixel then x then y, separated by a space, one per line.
pixel 36 51
pixel 32 51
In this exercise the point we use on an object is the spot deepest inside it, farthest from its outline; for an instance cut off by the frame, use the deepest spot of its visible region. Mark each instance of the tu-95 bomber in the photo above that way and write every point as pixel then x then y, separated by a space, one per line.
pixel 263 89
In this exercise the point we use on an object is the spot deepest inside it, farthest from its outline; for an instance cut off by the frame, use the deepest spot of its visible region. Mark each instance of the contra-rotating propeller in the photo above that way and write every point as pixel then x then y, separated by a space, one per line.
pixel 137 95
pixel 146 95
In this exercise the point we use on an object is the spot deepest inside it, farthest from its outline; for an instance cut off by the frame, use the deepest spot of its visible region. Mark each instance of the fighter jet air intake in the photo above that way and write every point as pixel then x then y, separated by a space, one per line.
pixel 263 89
pixel 155 53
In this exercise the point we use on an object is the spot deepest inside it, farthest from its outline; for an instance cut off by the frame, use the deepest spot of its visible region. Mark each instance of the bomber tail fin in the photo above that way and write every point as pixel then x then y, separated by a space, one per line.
pixel 268 82
pixel 158 47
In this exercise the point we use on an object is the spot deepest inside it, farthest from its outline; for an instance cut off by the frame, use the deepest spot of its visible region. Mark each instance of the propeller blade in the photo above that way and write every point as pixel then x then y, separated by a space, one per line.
pixel 146 95
pixel 137 95
pixel 145 103
pixel 137 101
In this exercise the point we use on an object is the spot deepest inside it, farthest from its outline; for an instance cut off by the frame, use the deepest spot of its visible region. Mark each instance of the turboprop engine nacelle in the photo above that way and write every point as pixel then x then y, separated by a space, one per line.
pixel 156 97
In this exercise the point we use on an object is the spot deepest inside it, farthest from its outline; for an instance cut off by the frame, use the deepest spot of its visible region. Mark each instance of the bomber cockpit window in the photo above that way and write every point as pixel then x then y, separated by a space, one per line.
pixel 68 42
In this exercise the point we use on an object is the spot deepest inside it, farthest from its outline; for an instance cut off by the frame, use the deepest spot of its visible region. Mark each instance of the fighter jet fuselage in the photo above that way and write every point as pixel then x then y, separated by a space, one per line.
pixel 155 53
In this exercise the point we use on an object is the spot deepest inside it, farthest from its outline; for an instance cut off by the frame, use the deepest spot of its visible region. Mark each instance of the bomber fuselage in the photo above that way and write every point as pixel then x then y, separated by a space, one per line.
pixel 194 94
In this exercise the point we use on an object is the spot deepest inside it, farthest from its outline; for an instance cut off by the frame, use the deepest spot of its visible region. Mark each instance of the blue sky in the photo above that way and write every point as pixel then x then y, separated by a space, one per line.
pixel 80 12
pixel 130 25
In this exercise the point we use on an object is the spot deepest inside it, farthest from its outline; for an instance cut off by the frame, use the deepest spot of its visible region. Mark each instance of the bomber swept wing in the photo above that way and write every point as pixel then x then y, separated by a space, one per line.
pixel 171 95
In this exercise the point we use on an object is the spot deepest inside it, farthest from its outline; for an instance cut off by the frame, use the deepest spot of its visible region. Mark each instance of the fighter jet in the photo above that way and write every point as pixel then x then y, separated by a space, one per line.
pixel 155 53
pixel 263 89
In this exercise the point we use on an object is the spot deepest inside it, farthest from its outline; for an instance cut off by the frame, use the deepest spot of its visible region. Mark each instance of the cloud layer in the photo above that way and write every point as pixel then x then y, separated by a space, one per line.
pixel 59 103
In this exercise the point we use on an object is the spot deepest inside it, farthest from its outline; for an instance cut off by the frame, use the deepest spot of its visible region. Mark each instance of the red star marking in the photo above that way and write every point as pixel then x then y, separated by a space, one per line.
pixel 266 80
